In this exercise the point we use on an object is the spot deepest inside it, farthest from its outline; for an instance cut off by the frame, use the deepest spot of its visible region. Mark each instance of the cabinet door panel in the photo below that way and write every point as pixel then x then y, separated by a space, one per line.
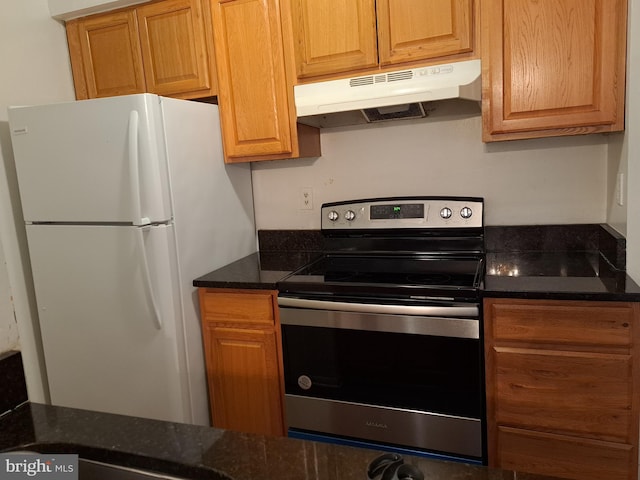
pixel 333 36
pixel 564 456
pixel 554 65
pixel 410 30
pixel 172 39
pixel 111 55
pixel 253 94
pixel 571 392
pixel 243 380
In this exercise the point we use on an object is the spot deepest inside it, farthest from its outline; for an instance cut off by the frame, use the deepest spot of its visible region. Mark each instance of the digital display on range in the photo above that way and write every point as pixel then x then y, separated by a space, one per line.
pixel 390 212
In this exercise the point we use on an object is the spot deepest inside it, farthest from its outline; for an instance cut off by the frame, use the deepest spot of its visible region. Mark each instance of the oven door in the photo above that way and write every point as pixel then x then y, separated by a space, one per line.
pixel 402 375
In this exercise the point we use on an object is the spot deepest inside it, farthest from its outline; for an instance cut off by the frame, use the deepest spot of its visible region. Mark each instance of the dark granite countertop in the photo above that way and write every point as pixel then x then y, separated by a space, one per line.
pixel 198 452
pixel 255 271
pixel 556 275
pixel 534 275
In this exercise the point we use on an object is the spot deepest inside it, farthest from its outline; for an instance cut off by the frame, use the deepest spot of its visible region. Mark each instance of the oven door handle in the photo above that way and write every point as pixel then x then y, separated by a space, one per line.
pixel 470 310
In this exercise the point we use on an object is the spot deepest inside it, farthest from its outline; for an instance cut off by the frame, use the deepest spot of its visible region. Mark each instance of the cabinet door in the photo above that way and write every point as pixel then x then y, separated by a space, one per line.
pixel 253 95
pixel 553 67
pixel 174 47
pixel 571 392
pixel 333 36
pixel 105 55
pixel 565 456
pixel 410 30
pixel 243 380
pixel 241 334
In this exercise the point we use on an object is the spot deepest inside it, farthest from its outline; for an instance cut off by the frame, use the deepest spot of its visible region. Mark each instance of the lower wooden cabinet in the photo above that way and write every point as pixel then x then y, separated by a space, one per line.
pixel 562 387
pixel 241 333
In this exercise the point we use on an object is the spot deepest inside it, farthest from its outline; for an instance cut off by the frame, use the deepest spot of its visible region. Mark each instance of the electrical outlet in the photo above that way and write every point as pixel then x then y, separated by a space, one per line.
pixel 306 198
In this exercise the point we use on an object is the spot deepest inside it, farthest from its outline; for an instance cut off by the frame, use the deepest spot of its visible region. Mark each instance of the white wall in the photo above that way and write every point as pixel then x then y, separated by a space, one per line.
pixel 633 143
pixel 68 9
pixel 8 323
pixel 548 181
pixel 617 186
pixel 35 69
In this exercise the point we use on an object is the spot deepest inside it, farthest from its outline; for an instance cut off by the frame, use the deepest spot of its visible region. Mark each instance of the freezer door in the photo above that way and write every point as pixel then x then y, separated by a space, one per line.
pixel 99 161
pixel 107 347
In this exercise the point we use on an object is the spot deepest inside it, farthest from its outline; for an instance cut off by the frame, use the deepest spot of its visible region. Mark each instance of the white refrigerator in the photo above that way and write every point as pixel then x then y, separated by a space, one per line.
pixel 126 200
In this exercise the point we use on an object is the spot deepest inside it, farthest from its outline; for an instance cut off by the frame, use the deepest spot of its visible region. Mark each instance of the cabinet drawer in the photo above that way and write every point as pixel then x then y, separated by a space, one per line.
pixel 582 393
pixel 250 308
pixel 564 456
pixel 576 323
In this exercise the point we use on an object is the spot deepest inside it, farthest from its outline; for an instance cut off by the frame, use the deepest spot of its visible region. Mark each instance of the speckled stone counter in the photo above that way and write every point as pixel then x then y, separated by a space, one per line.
pixel 256 271
pixel 561 276
pixel 574 262
pixel 204 453
pixel 564 262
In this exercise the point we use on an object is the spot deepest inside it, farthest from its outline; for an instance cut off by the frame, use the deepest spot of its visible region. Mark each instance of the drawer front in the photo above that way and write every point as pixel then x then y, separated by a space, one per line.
pixel 584 393
pixel 576 323
pixel 564 456
pixel 251 308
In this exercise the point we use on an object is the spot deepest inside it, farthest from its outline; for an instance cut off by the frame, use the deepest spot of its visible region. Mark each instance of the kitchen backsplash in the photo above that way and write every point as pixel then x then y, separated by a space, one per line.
pixel 518 238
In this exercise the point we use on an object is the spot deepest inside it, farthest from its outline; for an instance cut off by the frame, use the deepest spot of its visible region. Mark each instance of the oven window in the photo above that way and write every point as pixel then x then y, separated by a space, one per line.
pixel 426 373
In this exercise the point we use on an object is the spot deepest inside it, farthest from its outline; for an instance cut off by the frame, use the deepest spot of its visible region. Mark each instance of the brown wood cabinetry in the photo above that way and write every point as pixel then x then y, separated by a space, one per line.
pixel 241 333
pixel 255 87
pixel 562 387
pixel 553 67
pixel 163 47
pixel 334 36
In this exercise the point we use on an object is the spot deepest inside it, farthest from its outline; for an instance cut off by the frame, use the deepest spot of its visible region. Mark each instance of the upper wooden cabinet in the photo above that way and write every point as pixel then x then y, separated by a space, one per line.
pixel 334 36
pixel 412 30
pixel 163 47
pixel 553 67
pixel 105 55
pixel 177 49
pixel 258 117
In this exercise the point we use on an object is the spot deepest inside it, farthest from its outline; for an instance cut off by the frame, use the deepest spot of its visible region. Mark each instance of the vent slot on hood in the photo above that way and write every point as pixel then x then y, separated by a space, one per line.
pixel 381 78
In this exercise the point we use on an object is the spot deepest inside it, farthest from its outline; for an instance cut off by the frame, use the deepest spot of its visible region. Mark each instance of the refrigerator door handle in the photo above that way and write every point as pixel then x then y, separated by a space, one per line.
pixel 157 319
pixel 134 170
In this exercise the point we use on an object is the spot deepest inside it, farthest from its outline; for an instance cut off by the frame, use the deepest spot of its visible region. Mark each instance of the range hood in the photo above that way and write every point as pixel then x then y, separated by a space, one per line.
pixel 392 95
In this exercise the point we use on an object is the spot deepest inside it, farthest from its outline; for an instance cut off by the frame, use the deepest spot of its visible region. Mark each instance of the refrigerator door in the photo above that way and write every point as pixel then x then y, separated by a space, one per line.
pixel 98 161
pixel 106 346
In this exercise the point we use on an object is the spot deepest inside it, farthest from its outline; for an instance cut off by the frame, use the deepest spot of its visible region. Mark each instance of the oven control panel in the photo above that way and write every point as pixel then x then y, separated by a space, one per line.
pixel 404 212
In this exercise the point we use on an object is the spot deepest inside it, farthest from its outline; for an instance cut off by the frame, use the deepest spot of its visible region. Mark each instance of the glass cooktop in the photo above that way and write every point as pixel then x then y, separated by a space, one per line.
pixel 403 275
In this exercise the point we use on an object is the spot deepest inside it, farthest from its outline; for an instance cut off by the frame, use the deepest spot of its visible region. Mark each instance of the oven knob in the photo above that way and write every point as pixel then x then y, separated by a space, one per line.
pixel 304 382
pixel 349 215
pixel 466 212
pixel 333 215
pixel 446 213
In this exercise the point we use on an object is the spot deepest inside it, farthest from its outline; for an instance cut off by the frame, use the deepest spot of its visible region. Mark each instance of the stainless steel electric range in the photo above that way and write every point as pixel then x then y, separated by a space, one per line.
pixel 381 333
